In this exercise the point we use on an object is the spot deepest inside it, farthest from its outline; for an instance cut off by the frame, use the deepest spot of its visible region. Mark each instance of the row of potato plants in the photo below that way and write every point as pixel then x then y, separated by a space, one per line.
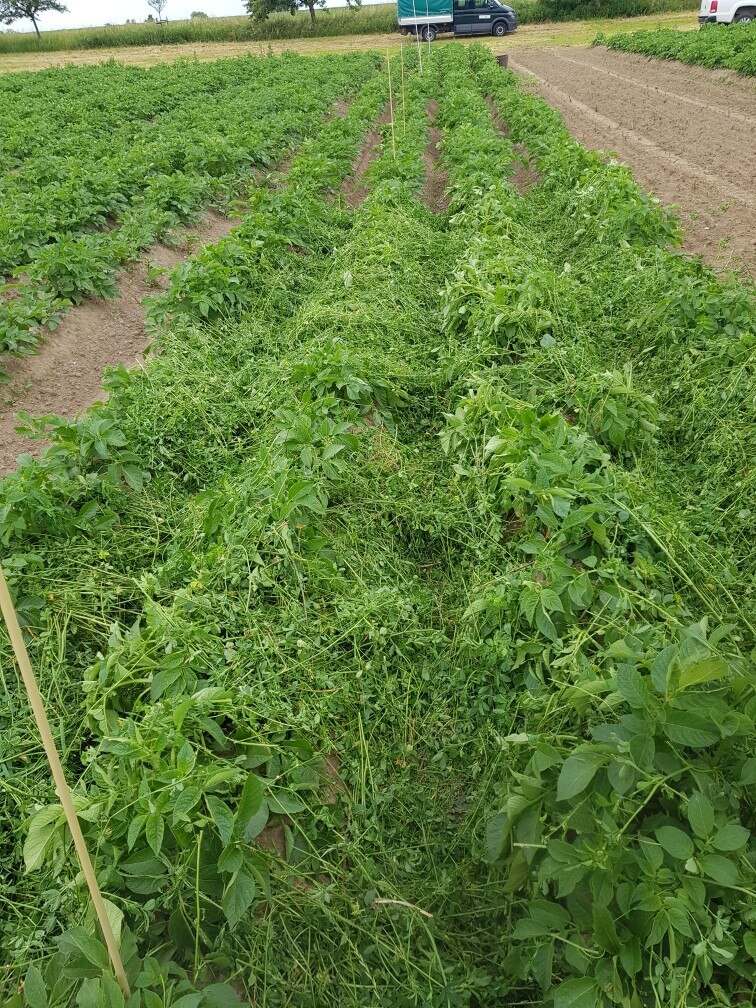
pixel 730 46
pixel 625 809
pixel 374 666
pixel 276 615
pixel 674 330
pixel 176 767
pixel 167 142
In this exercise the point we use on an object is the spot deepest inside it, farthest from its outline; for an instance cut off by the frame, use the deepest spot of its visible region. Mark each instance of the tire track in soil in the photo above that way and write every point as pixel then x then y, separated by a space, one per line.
pixel 704 138
pixel 700 162
pixel 659 153
pixel 715 87
pixel 65 376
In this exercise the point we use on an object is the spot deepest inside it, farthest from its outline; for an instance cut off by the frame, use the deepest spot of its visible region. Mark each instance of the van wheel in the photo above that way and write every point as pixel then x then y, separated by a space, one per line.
pixel 745 14
pixel 428 33
pixel 499 29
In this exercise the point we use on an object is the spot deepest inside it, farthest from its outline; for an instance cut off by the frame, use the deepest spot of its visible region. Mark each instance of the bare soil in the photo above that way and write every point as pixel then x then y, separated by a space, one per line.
pixel 436 180
pixel 687 132
pixel 65 376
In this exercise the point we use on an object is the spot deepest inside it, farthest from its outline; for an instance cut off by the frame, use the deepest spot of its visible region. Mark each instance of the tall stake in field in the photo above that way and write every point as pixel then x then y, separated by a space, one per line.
pixel 391 106
pixel 404 105
pixel 417 39
pixel 61 785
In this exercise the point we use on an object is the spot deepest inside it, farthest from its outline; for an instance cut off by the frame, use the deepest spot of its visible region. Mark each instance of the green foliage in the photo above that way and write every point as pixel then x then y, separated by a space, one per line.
pixel 26 310
pixel 733 47
pixel 396 616
pixel 124 172
pixel 622 800
pixel 18 10
pixel 574 10
pixel 372 19
pixel 260 10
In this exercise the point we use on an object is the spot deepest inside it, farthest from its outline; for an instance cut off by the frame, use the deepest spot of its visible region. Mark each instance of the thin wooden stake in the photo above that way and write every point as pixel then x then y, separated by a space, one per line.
pixel 417 38
pixel 391 105
pixel 404 106
pixel 61 786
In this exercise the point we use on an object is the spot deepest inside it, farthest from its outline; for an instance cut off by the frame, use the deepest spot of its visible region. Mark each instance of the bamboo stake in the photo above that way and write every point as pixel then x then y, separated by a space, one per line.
pixel 391 105
pixel 417 38
pixel 61 786
pixel 404 106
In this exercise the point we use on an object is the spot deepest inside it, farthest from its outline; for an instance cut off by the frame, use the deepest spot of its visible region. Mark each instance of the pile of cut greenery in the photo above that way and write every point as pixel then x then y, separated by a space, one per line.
pixel 395 621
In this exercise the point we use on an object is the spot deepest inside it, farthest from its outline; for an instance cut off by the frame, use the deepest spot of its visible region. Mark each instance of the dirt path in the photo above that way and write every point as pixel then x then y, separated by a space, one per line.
pixel 688 133
pixel 66 375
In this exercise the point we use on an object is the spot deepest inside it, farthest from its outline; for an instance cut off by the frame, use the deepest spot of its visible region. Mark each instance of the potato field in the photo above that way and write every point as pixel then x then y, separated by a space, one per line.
pixel 395 616
pixel 734 49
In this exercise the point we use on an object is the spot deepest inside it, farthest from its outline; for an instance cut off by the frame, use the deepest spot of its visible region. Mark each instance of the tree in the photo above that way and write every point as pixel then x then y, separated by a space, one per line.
pixel 158 6
pixel 198 14
pixel 28 10
pixel 262 9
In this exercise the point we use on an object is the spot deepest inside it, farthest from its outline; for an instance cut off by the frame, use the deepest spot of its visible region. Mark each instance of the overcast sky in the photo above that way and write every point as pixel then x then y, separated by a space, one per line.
pixel 84 13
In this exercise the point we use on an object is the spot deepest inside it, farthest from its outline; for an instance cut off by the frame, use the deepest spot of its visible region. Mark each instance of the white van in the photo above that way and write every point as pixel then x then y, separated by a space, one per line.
pixel 726 11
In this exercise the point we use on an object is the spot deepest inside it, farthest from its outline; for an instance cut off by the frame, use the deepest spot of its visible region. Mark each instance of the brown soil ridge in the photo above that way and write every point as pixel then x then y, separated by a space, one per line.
pixel 639 108
pixel 436 179
pixel 65 376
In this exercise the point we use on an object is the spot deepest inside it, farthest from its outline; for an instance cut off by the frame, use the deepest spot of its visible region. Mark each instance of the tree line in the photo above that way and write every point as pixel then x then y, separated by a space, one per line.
pixel 259 10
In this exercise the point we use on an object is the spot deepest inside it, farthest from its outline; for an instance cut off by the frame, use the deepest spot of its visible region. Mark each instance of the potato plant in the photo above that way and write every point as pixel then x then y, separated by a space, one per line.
pixel 396 617
pixel 78 201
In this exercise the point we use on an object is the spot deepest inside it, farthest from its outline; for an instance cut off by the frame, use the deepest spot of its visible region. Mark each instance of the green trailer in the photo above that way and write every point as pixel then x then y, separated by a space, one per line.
pixel 426 18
